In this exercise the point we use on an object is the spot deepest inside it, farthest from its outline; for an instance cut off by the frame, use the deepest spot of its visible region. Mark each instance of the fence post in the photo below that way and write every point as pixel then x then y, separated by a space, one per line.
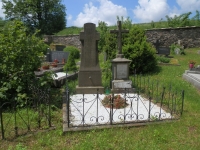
pixel 1 118
pixel 182 102
pixel 149 115
pixel 161 103
pixel 15 118
pixel 49 107
pixel 97 105
pixel 68 103
pixel 111 108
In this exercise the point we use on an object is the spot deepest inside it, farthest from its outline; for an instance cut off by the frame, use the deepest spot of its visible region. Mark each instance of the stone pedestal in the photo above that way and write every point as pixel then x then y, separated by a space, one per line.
pixel 120 74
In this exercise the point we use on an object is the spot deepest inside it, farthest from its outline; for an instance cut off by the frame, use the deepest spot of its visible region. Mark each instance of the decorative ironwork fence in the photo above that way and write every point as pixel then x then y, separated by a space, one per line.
pixel 150 103
pixel 19 118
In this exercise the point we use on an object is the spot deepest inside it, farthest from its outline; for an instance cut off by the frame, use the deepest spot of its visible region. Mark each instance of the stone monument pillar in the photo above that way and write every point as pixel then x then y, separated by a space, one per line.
pixel 120 65
pixel 89 76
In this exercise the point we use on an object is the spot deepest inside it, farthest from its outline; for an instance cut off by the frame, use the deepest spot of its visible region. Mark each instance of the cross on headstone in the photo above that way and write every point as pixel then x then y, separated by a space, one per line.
pixel 119 32
pixel 89 76
pixel 89 54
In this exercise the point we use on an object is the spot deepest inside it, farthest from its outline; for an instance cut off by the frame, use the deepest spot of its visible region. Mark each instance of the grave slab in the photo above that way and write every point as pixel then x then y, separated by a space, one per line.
pixel 193 77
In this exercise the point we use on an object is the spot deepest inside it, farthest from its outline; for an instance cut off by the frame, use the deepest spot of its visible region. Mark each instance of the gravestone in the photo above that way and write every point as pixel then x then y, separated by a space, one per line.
pixel 89 76
pixel 59 55
pixel 161 50
pixel 120 65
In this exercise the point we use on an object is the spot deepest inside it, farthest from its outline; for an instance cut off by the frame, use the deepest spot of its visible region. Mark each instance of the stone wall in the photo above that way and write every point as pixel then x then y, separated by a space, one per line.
pixel 69 40
pixel 188 36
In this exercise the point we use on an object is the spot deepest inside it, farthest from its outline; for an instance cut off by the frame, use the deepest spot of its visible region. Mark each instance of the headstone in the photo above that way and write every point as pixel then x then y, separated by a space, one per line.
pixel 89 77
pixel 59 55
pixel 161 50
pixel 120 65
pixel 177 51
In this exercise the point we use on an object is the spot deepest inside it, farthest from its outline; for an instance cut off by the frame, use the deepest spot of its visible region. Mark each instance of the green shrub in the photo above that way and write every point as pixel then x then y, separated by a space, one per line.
pixel 73 51
pixel 70 65
pixel 163 59
pixel 173 47
pixel 139 51
pixel 19 59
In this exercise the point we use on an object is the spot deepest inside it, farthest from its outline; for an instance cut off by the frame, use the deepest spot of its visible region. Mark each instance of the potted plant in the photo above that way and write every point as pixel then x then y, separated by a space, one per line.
pixel 54 64
pixel 45 65
pixel 191 64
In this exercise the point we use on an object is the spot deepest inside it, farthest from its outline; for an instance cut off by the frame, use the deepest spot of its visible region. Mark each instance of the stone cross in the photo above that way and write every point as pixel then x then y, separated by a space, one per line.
pixel 89 54
pixel 119 32
pixel 89 76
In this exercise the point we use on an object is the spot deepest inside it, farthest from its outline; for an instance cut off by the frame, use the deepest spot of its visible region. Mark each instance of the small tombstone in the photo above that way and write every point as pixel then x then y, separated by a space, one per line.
pixel 59 55
pixel 89 76
pixel 177 51
pixel 179 42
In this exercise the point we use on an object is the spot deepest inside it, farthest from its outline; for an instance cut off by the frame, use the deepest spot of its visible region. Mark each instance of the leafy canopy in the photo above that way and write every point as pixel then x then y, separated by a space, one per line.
pixel 45 15
pixel 19 53
pixel 135 48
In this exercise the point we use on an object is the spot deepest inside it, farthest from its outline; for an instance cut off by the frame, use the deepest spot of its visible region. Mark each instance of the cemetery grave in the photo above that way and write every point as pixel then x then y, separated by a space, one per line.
pixel 86 108
pixel 161 50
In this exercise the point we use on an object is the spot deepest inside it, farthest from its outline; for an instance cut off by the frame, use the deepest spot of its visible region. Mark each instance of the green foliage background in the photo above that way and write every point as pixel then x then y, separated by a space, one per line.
pixel 47 16
pixel 20 53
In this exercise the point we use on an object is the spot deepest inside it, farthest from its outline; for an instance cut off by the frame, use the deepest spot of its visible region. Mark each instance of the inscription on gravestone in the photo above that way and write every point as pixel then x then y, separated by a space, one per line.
pixel 89 77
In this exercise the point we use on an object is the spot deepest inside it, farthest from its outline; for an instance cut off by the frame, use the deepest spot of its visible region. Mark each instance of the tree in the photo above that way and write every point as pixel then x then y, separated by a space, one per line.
pixel 135 48
pixel 103 30
pixel 196 18
pixel 19 53
pixel 139 51
pixel 45 15
pixel 179 21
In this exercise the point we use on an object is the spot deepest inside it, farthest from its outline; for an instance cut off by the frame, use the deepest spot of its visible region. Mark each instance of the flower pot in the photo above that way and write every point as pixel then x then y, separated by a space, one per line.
pixel 191 66
pixel 54 65
pixel 45 67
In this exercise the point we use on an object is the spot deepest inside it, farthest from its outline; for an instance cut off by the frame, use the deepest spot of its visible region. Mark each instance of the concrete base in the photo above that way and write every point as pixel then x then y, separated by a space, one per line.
pixel 193 77
pixel 89 90
pixel 119 86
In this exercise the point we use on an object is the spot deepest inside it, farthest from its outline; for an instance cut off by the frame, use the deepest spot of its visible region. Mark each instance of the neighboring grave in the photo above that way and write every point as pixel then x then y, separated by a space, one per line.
pixel 193 76
pixel 89 77
pixel 120 65
pixel 161 50
pixel 59 55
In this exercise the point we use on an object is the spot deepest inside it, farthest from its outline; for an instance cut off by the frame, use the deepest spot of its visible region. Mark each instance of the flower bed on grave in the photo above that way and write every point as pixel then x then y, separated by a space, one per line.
pixel 118 102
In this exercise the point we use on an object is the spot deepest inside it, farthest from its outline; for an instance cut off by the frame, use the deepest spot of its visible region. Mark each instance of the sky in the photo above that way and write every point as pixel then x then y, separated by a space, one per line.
pixel 80 12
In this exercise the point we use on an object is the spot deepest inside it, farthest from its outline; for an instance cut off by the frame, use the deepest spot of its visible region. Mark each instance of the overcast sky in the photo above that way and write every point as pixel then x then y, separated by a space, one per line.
pixel 139 11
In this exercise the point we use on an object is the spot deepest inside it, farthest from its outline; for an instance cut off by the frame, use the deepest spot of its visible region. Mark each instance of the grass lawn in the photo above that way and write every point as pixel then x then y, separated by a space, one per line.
pixel 183 134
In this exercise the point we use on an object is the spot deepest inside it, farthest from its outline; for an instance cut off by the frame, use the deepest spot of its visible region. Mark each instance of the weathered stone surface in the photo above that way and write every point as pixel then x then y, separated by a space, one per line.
pixel 188 36
pixel 119 32
pixel 89 76
pixel 69 40
pixel 121 84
